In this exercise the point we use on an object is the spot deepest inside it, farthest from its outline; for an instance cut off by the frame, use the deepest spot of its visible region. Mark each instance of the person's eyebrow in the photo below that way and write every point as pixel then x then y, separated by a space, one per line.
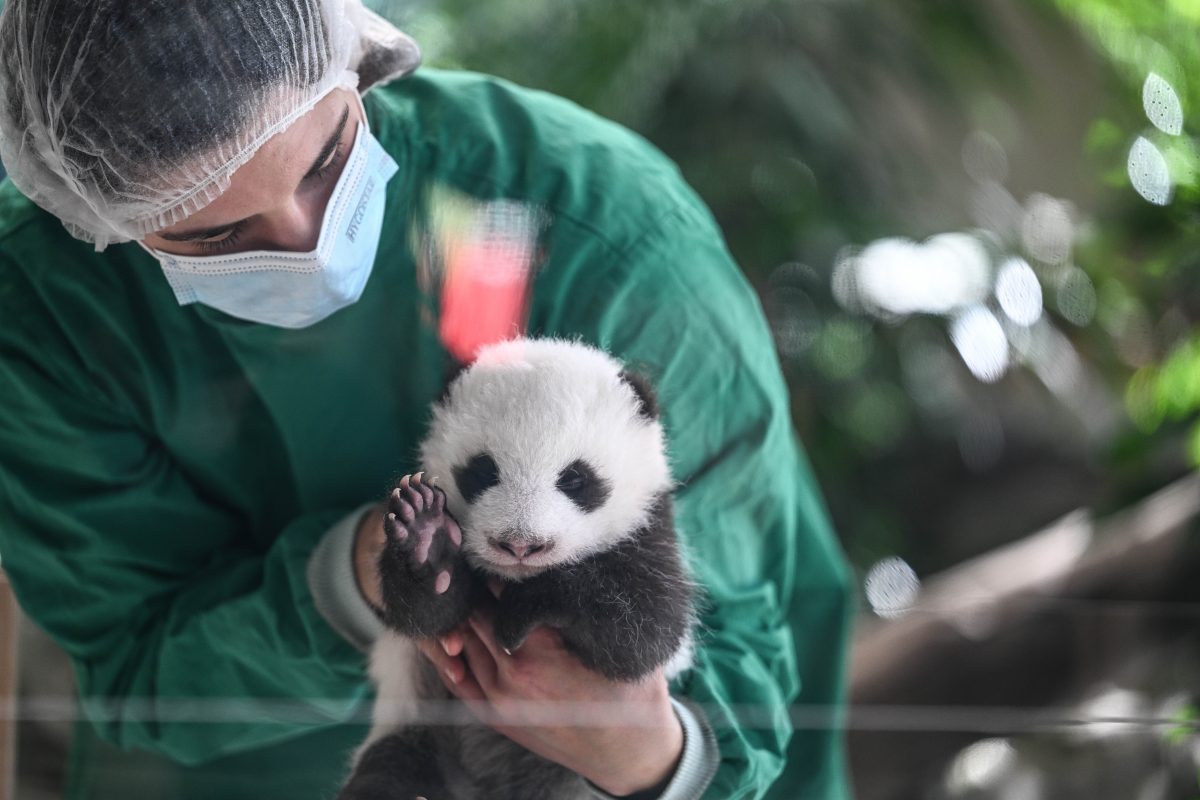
pixel 330 145
pixel 326 151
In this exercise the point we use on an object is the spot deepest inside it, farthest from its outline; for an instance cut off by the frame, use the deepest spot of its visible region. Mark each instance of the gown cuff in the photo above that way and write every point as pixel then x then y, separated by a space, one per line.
pixel 333 585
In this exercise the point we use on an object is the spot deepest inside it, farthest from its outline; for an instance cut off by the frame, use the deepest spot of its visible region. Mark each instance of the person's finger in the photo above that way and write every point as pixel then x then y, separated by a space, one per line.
pixel 448 666
pixel 452 643
pixel 482 663
pixel 468 689
pixel 481 625
pixel 543 638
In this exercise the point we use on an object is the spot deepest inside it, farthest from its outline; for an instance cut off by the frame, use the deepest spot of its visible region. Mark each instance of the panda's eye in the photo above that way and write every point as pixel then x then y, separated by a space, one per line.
pixel 580 482
pixel 571 481
pixel 479 474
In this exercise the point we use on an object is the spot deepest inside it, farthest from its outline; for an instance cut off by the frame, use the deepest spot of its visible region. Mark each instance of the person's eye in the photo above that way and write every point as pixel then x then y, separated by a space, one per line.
pixel 224 243
pixel 331 165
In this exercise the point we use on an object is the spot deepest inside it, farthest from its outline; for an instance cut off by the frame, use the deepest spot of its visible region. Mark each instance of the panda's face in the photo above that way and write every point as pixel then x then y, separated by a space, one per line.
pixel 547 455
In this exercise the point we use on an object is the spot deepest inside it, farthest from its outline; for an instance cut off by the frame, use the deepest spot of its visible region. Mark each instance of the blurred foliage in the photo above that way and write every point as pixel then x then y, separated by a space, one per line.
pixel 1184 728
pixel 1159 39
pixel 815 128
pixel 1169 392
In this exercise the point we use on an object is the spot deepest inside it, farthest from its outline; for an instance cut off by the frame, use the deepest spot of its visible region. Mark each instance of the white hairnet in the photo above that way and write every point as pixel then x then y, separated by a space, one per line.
pixel 122 118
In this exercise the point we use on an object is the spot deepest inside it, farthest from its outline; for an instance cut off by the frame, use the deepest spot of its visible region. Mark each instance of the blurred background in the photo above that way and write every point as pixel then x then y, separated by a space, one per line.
pixel 975 230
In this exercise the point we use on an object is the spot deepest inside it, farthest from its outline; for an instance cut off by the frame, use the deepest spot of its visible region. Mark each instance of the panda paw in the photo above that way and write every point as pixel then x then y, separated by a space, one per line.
pixel 418 524
pixel 424 576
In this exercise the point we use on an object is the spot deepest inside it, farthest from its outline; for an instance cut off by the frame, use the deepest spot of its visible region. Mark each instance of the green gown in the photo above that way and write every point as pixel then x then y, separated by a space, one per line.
pixel 166 471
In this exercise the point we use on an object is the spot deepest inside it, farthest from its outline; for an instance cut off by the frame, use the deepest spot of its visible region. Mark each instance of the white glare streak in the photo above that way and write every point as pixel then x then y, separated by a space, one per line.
pixel 1112 702
pixel 1148 172
pixel 891 587
pixel 1162 105
pixel 1019 292
pixel 981 342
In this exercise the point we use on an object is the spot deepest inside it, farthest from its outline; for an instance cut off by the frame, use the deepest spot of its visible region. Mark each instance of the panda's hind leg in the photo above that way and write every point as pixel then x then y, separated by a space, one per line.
pixel 400 766
pixel 427 586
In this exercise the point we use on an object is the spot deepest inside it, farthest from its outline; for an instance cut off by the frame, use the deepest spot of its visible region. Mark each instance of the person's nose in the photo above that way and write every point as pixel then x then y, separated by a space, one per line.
pixel 295 226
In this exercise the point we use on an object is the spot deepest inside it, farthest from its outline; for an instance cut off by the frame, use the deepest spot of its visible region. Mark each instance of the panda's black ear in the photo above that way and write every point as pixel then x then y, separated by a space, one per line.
pixel 454 368
pixel 647 401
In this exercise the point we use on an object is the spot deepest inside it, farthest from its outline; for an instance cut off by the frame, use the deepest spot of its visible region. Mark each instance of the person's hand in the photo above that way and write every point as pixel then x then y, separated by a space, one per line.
pixel 369 543
pixel 628 738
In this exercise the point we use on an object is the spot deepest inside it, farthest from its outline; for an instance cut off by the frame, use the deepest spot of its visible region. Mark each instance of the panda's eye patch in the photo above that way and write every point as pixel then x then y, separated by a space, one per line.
pixel 580 482
pixel 480 473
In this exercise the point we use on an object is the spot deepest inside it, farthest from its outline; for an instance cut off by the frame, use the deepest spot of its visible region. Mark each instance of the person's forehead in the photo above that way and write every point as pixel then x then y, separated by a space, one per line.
pixel 274 167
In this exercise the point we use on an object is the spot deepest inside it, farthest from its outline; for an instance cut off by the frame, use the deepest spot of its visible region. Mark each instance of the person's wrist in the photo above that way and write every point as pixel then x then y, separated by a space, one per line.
pixel 368 539
pixel 657 758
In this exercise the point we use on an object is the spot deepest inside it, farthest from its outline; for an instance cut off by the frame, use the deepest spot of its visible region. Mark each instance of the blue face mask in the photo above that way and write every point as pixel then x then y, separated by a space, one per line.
pixel 295 290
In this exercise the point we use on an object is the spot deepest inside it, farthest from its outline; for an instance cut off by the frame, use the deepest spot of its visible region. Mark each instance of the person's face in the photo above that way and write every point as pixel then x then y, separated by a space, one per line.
pixel 277 199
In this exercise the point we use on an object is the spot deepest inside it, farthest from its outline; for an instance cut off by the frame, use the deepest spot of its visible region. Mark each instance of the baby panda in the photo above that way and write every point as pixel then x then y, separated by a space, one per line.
pixel 553 481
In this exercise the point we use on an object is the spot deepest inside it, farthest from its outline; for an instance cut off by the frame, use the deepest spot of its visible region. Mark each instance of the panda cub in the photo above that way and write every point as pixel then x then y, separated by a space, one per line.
pixel 554 481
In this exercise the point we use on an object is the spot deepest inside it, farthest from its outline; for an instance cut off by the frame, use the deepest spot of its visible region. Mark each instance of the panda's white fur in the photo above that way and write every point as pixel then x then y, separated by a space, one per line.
pixel 560 401
pixel 535 405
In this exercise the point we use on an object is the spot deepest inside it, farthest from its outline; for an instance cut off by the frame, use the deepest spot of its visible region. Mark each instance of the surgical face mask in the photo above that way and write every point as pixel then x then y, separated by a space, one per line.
pixel 295 290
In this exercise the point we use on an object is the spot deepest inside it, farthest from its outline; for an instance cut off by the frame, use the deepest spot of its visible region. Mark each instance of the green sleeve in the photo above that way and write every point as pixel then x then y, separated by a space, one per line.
pixel 190 636
pixel 776 606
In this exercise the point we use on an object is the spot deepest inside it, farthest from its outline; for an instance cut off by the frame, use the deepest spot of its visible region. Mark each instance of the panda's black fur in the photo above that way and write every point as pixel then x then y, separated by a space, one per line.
pixel 554 479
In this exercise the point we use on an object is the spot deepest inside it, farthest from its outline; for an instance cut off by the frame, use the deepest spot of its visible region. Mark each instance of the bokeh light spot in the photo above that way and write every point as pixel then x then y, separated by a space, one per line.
pixel 981 765
pixel 993 207
pixel 843 347
pixel 1148 172
pixel 1076 298
pixel 984 157
pixel 891 587
pixel 901 277
pixel 877 414
pixel 981 342
pixel 1018 291
pixel 1162 105
pixel 1046 229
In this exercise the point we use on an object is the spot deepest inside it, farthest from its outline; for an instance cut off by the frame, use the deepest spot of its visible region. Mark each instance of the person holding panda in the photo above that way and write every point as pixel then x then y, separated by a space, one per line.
pixel 204 392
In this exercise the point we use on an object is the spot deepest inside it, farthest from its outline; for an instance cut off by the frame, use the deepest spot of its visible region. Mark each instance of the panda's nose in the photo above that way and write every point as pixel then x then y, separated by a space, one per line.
pixel 519 548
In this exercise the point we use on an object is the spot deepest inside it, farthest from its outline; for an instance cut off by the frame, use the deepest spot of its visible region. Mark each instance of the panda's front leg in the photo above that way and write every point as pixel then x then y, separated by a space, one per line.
pixel 427 586
pixel 523 606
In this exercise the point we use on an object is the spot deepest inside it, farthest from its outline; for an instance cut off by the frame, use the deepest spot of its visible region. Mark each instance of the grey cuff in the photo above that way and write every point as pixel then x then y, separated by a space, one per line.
pixel 698 763
pixel 334 588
